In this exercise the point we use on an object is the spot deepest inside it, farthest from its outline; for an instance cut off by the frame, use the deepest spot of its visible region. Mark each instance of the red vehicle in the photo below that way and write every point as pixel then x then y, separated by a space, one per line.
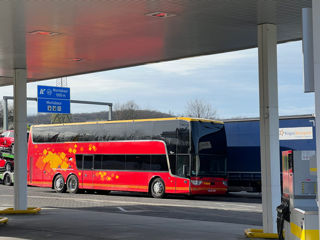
pixel 3 163
pixel 156 156
pixel 6 163
pixel 7 139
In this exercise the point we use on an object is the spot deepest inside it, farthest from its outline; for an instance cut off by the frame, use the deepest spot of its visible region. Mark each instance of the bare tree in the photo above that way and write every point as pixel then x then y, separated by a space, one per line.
pixel 10 116
pixel 125 111
pixel 198 109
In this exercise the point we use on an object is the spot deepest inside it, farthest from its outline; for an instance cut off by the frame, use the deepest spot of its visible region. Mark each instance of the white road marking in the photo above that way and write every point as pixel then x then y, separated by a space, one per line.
pixel 215 205
pixel 122 209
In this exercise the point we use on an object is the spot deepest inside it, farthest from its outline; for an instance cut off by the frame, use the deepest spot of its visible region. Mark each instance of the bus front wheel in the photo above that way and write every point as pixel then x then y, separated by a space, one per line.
pixel 58 184
pixel 157 188
pixel 73 184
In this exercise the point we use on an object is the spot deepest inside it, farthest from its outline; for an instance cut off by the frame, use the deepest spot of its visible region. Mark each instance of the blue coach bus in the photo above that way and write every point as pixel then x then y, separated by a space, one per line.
pixel 243 147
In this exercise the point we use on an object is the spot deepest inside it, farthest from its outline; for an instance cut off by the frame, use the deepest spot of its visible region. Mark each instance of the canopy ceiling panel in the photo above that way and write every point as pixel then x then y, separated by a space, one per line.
pixel 66 38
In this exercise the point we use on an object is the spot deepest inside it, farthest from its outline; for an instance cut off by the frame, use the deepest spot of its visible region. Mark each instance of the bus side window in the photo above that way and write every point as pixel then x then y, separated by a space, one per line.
pixel 133 162
pixel 79 161
pixel 87 162
pixel 159 163
pixel 97 161
pixel 145 162
pixel 137 162
pixel 113 162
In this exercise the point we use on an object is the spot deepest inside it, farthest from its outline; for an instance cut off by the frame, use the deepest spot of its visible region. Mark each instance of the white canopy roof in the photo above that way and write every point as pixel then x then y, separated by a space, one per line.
pixel 66 38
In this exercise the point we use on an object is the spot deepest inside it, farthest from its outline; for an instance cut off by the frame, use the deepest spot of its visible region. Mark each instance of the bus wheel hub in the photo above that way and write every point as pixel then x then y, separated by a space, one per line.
pixel 158 188
pixel 59 183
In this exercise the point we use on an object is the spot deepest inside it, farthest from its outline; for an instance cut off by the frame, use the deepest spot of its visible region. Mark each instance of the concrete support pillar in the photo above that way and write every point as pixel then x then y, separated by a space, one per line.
pixel 269 125
pixel 5 114
pixel 307 46
pixel 20 139
pixel 20 104
pixel 316 62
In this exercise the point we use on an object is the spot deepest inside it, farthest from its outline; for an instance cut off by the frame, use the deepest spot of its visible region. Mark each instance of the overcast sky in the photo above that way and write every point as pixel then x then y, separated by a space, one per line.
pixel 229 82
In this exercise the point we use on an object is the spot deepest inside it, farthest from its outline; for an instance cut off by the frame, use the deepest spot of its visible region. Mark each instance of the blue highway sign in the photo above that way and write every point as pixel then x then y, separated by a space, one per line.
pixel 53 92
pixel 53 99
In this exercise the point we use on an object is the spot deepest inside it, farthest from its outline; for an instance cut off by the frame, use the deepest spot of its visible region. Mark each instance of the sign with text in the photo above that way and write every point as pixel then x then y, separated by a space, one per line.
pixel 53 99
pixel 295 133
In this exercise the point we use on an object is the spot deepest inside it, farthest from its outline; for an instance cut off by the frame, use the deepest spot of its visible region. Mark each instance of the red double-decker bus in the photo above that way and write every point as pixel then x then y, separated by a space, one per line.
pixel 157 156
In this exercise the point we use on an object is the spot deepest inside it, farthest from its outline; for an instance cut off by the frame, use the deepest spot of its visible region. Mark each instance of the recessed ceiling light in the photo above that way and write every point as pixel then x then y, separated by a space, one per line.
pixel 76 59
pixel 160 14
pixel 44 33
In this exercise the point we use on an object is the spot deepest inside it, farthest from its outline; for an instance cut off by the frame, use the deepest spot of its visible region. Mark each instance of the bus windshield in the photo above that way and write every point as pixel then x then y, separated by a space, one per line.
pixel 209 155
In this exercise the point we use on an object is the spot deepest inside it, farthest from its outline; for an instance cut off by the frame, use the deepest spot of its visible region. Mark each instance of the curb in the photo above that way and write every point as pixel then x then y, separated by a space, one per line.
pixel 258 233
pixel 31 210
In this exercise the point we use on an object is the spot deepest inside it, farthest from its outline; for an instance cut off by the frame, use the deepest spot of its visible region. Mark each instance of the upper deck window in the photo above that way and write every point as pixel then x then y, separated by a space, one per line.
pixel 175 133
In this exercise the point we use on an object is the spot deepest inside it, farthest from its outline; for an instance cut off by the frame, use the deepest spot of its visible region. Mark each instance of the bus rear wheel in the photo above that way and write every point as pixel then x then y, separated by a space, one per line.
pixel 157 188
pixel 58 184
pixel 73 184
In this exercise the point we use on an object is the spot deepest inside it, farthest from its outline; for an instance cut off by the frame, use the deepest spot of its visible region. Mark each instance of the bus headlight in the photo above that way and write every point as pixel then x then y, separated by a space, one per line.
pixel 196 182
pixel 225 183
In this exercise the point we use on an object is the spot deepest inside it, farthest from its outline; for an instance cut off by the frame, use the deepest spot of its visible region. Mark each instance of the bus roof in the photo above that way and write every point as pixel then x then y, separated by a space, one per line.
pixel 136 120
pixel 286 117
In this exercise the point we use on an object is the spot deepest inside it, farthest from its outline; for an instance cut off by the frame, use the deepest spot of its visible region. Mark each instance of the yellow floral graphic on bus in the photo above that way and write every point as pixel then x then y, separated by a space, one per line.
pixel 104 176
pixel 49 161
pixel 92 147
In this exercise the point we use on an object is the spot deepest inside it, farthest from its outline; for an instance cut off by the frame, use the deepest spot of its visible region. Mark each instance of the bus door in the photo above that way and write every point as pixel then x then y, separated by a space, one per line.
pixel 183 172
pixel 29 169
pixel 97 176
pixel 87 172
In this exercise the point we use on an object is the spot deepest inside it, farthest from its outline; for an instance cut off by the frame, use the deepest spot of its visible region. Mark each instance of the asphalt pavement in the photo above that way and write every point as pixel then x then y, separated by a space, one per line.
pixel 129 216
